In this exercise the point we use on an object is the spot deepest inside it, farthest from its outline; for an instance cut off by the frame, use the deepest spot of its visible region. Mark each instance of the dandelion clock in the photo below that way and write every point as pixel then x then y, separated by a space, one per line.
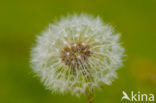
pixel 77 54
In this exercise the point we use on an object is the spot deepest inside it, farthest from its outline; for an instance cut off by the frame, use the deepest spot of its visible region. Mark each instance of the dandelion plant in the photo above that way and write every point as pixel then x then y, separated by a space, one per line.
pixel 77 54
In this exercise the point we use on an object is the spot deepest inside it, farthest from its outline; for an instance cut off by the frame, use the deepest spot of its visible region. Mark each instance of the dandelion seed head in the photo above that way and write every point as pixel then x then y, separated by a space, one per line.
pixel 77 54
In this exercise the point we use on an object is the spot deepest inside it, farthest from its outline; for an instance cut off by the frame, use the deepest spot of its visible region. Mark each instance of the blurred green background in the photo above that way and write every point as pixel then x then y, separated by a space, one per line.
pixel 22 20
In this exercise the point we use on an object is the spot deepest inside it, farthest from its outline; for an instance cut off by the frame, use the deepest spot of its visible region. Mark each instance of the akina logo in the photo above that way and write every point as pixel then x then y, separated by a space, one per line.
pixel 137 96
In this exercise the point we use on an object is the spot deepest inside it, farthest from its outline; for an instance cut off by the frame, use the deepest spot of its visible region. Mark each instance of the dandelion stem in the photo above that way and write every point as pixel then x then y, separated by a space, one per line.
pixel 91 97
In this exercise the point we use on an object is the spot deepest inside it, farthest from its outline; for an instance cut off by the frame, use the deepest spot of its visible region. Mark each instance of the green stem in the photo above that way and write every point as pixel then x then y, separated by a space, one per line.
pixel 91 97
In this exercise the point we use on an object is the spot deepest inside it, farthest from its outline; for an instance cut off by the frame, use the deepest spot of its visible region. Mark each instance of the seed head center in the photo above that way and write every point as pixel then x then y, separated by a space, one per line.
pixel 75 54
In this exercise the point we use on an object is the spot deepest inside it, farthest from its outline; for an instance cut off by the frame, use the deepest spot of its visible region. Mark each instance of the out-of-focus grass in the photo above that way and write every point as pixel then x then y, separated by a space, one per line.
pixel 22 20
